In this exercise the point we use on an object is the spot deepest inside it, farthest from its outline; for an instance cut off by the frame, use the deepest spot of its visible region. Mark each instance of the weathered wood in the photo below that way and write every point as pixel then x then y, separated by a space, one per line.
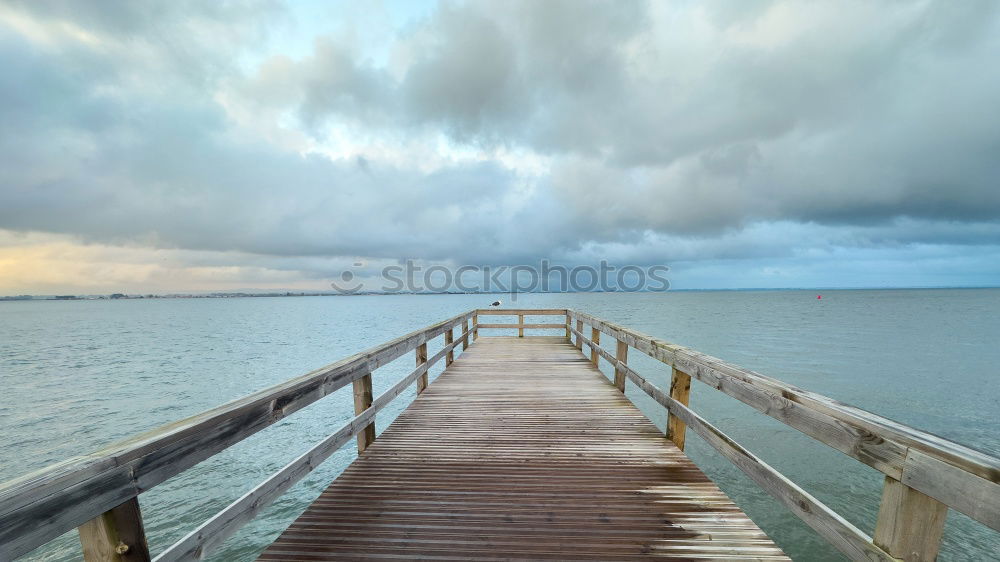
pixel 521 311
pixel 910 524
pixel 40 506
pixel 498 463
pixel 621 357
pixel 448 338
pixel 475 326
pixel 976 497
pixel 521 327
pixel 579 336
pixel 680 390
pixel 362 401
pixel 421 359
pixel 465 335
pixel 839 532
pixel 595 340
pixel 209 535
pixel 569 334
pixel 874 440
pixel 116 535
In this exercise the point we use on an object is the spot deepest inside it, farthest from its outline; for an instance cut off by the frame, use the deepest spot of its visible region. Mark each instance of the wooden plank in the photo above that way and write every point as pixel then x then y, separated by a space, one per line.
pixel 621 357
pixel 523 327
pixel 448 338
pixel 421 359
pixel 595 340
pixel 496 460
pixel 465 335
pixel 197 544
pixel 568 332
pixel 910 524
pixel 976 497
pixel 680 390
pixel 363 401
pixel 521 311
pixel 520 325
pixel 475 326
pixel 871 439
pixel 839 532
pixel 40 506
pixel 711 370
pixel 116 535
pixel 579 329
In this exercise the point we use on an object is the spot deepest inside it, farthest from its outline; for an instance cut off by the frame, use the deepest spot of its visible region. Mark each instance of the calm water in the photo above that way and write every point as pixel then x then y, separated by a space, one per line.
pixel 79 374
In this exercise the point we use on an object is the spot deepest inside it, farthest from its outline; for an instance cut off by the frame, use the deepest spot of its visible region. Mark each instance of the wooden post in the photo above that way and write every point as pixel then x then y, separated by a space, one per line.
pixel 475 326
pixel 579 328
pixel 569 334
pixel 465 333
pixel 362 401
pixel 421 359
pixel 116 535
pixel 621 354
pixel 449 337
pixel 910 523
pixel 595 338
pixel 520 325
pixel 680 390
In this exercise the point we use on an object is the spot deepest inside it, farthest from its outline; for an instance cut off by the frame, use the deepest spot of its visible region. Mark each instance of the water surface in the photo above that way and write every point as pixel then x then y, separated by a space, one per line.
pixel 80 374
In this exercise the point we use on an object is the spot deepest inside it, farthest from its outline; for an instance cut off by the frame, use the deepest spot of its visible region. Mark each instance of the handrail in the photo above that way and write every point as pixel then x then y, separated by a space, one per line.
pixel 40 506
pixel 925 474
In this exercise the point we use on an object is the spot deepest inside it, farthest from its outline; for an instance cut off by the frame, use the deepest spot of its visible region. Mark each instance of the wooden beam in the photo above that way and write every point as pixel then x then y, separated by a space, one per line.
pixel 449 336
pixel 569 334
pixel 839 532
pixel 962 478
pixel 680 390
pixel 520 325
pixel 595 339
pixel 465 335
pixel 362 401
pixel 475 326
pixel 910 524
pixel 524 311
pixel 621 356
pixel 579 335
pixel 116 535
pixel 38 507
pixel 421 359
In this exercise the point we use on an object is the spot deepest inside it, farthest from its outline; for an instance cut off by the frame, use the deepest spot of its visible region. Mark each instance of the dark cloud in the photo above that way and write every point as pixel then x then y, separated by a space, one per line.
pixel 482 134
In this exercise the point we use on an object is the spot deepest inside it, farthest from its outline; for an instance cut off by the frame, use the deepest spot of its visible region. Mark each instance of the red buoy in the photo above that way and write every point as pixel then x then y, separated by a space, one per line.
pixel 819 296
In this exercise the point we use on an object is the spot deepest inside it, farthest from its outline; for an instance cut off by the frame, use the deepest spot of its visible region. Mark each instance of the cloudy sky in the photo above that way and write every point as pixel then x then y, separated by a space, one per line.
pixel 184 146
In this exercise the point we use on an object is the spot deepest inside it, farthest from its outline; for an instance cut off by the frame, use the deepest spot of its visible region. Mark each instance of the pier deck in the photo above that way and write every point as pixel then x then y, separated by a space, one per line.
pixel 522 449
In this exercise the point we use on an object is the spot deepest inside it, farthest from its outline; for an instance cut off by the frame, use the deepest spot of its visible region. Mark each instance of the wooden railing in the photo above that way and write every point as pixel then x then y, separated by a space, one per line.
pixel 98 493
pixel 924 474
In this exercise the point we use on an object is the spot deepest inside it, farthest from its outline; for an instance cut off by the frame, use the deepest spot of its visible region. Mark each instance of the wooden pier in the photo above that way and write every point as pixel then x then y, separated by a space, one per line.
pixel 520 450
pixel 534 455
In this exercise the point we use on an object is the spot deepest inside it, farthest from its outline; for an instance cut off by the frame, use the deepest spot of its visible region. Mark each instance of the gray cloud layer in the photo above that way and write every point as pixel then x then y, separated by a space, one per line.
pixel 646 130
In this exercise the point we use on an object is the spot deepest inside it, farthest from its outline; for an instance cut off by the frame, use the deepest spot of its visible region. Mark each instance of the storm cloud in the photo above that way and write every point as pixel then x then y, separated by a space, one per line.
pixel 500 133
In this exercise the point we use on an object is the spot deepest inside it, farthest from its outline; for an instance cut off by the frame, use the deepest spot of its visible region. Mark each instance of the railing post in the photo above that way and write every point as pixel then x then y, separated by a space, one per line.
pixel 621 354
pixel 116 535
pixel 421 359
pixel 465 334
pixel 520 325
pixel 475 326
pixel 362 401
pixel 569 334
pixel 449 337
pixel 910 523
pixel 680 390
pixel 595 338
pixel 579 328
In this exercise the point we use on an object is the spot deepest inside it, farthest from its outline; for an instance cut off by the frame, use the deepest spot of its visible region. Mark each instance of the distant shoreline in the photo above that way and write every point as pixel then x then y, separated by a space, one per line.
pixel 240 294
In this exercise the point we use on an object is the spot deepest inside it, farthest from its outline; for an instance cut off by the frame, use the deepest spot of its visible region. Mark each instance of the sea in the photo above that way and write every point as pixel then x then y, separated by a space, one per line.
pixel 78 375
